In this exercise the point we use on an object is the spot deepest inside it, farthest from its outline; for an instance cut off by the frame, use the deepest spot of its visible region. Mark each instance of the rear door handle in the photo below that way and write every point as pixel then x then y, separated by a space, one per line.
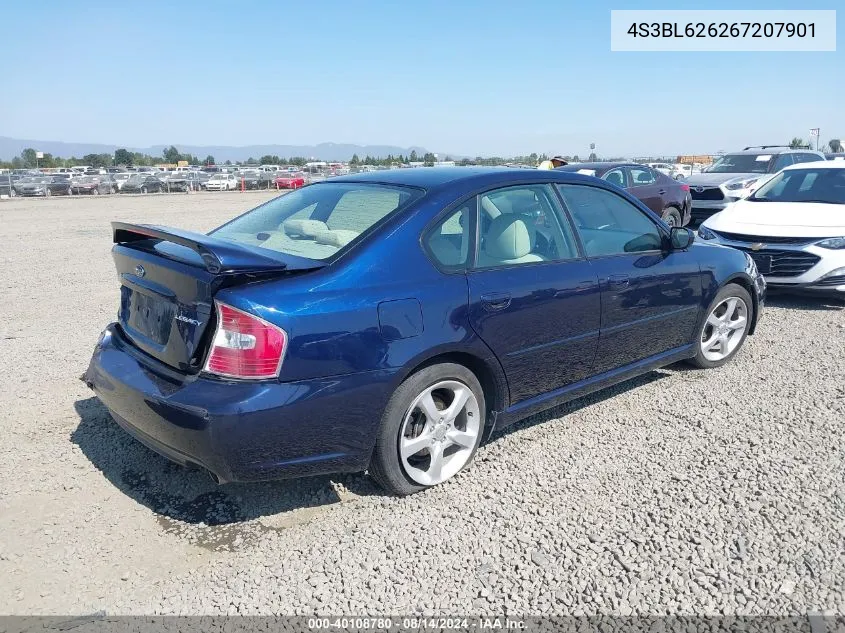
pixel 661 191
pixel 618 281
pixel 496 300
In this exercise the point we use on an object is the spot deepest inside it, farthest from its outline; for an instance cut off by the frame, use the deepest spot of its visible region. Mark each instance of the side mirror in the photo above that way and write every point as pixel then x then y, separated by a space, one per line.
pixel 681 238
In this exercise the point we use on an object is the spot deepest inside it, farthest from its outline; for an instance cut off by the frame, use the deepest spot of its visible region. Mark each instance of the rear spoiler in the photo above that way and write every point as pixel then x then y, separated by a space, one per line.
pixel 220 257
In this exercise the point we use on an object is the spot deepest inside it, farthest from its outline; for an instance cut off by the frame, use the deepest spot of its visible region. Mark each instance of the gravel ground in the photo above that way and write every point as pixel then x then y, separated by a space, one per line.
pixel 680 492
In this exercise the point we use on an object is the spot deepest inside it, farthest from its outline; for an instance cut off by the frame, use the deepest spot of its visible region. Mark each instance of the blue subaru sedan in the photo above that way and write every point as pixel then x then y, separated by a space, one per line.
pixel 391 321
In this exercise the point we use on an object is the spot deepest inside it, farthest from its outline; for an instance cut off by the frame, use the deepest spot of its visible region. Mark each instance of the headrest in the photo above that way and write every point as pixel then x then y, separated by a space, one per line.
pixel 615 178
pixel 337 237
pixel 510 237
pixel 304 228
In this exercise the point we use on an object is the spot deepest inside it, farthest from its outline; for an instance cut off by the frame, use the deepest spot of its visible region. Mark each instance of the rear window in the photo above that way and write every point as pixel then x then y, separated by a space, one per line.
pixel 317 221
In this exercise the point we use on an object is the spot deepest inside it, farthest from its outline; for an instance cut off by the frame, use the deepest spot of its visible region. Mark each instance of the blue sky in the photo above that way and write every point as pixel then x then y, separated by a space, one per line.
pixel 472 77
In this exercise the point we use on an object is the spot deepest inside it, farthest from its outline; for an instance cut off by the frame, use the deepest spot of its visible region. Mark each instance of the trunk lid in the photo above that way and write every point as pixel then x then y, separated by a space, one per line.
pixel 168 279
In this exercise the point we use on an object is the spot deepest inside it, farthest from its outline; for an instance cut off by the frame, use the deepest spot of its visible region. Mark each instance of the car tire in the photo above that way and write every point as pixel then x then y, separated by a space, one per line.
pixel 95 191
pixel 406 425
pixel 69 191
pixel 672 216
pixel 143 190
pixel 47 192
pixel 738 304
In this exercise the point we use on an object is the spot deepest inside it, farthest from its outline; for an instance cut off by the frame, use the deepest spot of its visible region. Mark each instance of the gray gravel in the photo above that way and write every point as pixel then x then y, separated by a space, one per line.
pixel 680 492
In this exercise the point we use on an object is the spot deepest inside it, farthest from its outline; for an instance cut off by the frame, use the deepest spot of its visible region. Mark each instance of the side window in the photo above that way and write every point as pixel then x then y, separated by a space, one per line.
pixel 641 176
pixel 616 177
pixel 522 225
pixel 783 160
pixel 806 158
pixel 448 242
pixel 609 224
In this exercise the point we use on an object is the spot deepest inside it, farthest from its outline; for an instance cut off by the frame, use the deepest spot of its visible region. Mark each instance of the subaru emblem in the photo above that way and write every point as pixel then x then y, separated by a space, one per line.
pixel 139 270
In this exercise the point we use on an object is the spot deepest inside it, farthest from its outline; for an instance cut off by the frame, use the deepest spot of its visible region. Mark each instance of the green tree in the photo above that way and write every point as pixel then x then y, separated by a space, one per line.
pixel 97 160
pixel 251 161
pixel 796 143
pixel 209 160
pixel 835 145
pixel 428 159
pixel 354 160
pixel 28 157
pixel 413 158
pixel 122 157
pixel 171 155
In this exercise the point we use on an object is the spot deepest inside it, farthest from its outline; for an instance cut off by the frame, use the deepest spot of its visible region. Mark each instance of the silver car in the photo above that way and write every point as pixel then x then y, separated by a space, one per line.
pixel 734 176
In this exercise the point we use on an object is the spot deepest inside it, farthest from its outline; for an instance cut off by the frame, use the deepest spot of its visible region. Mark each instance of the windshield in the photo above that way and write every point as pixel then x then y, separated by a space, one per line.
pixel 804 185
pixel 317 221
pixel 741 164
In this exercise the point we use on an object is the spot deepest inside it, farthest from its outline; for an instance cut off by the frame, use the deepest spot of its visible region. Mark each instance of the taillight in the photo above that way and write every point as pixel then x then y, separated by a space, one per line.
pixel 245 346
pixel 684 187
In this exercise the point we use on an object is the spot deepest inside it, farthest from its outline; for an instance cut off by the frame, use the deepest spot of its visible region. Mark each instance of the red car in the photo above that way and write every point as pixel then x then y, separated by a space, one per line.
pixel 291 181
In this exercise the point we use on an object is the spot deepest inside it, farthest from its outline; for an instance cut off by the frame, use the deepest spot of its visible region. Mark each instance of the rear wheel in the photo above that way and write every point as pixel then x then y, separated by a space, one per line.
pixel 143 190
pixel 672 216
pixel 724 330
pixel 430 429
pixel 95 191
pixel 48 192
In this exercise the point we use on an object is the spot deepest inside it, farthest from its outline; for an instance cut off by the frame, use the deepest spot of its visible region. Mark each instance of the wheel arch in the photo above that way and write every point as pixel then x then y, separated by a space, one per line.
pixel 742 280
pixel 488 371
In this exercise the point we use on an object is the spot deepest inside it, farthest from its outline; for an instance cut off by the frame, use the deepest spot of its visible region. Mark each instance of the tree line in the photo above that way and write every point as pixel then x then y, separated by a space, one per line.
pixel 171 155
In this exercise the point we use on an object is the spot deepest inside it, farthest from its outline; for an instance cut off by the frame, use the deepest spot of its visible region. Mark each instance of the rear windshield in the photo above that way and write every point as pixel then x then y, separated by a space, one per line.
pixel 804 185
pixel 317 221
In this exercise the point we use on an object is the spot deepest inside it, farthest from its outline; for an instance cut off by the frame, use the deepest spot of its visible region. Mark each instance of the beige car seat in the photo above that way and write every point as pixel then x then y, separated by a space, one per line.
pixel 509 240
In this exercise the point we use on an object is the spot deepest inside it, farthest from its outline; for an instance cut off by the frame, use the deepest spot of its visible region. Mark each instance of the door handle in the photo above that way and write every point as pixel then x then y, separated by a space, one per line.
pixel 661 191
pixel 618 281
pixel 496 300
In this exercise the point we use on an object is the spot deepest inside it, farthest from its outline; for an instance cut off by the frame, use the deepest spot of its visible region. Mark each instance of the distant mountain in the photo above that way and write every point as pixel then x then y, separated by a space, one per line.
pixel 11 147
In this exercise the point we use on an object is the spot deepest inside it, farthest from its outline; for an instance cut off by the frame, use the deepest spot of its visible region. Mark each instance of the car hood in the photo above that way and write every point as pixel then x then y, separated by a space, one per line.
pixel 712 180
pixel 781 219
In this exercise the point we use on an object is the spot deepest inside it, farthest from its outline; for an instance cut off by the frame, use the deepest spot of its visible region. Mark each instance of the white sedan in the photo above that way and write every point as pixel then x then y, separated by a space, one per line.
pixel 793 226
pixel 222 182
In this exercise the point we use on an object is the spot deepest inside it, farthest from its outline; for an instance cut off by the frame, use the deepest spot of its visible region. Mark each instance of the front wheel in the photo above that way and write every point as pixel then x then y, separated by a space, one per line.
pixel 725 328
pixel 430 429
pixel 95 191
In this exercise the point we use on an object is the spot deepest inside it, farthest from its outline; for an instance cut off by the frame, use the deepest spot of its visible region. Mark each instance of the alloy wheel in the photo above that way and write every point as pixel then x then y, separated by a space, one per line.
pixel 724 329
pixel 439 432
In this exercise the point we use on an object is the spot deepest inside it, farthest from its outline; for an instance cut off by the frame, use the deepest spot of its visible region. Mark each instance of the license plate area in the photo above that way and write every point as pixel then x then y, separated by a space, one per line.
pixel 149 315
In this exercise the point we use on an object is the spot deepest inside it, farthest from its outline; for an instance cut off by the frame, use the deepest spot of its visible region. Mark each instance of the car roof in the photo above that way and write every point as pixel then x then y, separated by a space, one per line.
pixel 774 150
pixel 819 164
pixel 598 166
pixel 466 177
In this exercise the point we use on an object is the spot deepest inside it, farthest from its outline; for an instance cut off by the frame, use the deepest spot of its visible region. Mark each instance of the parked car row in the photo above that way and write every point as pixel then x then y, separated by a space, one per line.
pixel 681 198
pixel 66 183
pixel 792 226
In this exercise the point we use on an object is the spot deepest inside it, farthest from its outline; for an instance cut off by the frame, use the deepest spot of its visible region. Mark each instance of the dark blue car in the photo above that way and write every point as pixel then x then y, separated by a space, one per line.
pixel 391 321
